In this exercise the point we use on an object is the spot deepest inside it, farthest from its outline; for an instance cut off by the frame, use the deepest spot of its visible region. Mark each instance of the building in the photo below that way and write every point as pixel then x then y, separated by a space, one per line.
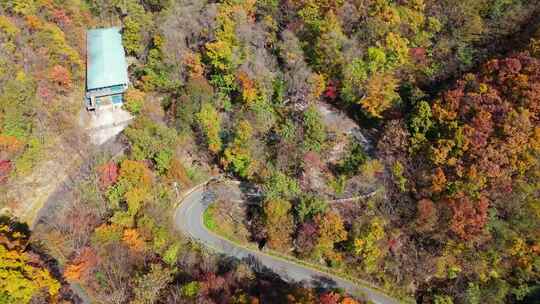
pixel 106 68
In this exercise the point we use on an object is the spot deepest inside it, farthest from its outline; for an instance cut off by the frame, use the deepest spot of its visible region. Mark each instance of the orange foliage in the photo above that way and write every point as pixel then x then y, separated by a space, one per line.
pixel 178 173
pixel 249 91
pixel 488 126
pixel 329 298
pixel 194 65
pixel 82 265
pixel 349 300
pixel 380 94
pixel 9 145
pixel 33 22
pixel 133 240
pixel 61 77
pixel 438 180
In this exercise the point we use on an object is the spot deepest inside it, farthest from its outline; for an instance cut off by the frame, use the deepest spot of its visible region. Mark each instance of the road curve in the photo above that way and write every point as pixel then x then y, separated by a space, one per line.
pixel 188 218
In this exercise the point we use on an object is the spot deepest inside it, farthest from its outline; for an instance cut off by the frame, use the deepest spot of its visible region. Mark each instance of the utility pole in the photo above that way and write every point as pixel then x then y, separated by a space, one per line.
pixel 176 190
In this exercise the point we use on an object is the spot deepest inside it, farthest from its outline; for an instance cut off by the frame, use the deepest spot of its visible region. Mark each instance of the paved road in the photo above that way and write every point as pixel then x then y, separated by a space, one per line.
pixel 189 219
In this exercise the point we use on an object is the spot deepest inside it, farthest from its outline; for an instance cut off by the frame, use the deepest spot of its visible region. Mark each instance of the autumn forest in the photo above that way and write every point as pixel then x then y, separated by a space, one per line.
pixel 393 145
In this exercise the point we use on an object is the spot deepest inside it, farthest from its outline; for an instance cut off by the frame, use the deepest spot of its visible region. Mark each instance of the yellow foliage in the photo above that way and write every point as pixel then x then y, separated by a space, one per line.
pixel 135 174
pixel 134 198
pixel 133 240
pixel 249 90
pixel 134 95
pixel 318 85
pixel 398 48
pixel 8 27
pixel 20 280
pixel 380 94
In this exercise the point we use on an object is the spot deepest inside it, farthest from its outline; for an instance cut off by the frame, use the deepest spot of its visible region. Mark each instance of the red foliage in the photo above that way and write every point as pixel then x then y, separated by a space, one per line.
pixel 331 91
pixel 5 169
pixel 307 237
pixel 394 244
pixel 489 122
pixel 108 174
pixel 426 210
pixel 61 18
pixel 468 216
pixel 312 160
pixel 418 54
pixel 44 92
pixel 61 77
pixel 212 283
pixel 329 298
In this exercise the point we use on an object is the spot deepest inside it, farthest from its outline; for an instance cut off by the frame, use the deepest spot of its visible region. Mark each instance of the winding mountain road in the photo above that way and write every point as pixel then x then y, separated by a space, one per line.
pixel 188 218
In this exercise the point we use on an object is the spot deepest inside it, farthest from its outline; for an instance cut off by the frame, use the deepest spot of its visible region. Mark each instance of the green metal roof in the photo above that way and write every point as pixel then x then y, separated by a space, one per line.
pixel 106 61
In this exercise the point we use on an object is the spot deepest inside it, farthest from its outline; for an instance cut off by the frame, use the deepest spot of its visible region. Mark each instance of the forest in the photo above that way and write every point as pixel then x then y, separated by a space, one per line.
pixel 426 185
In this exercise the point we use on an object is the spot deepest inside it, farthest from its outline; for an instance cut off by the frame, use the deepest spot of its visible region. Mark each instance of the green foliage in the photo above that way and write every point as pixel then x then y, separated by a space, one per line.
pixel 210 123
pixel 399 179
pixel 29 158
pixel 191 289
pixel 442 299
pixel 279 223
pixel 17 106
pixel 314 130
pixel 355 158
pixel 309 206
pixel 473 294
pixel 366 243
pixel 196 92
pixel 224 54
pixel 135 24
pixel 279 185
pixel 287 130
pixel 133 101
pixel 171 254
pixel 156 74
pixel 208 218
pixel 465 54
pixel 264 113
pixel 420 124
pixel 163 160
pixel 148 138
pixel 237 156
pixel 338 184
pixel 355 74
